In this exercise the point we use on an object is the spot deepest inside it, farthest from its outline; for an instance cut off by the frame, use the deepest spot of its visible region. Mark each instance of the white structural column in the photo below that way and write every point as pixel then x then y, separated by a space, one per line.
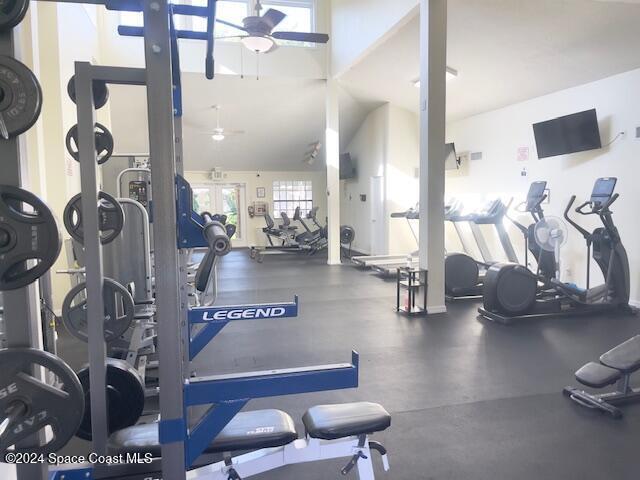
pixel 433 89
pixel 332 149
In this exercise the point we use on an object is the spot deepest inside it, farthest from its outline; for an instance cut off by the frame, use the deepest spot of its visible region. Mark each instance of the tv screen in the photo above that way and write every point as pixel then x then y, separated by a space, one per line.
pixel 347 169
pixel 569 134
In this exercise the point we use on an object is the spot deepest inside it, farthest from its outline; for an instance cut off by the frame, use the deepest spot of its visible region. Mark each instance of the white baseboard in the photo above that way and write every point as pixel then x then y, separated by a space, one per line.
pixel 437 309
pixel 634 303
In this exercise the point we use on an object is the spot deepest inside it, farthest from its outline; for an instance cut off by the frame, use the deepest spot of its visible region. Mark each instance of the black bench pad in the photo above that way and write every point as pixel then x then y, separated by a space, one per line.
pixel 330 422
pixel 247 431
pixel 625 357
pixel 596 375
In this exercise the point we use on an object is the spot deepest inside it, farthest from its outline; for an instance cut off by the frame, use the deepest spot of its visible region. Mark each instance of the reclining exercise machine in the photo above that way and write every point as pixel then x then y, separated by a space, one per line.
pixel 511 291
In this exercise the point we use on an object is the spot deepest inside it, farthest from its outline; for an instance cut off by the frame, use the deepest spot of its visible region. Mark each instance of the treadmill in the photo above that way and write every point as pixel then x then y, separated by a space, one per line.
pixel 371 261
pixel 452 209
pixel 464 275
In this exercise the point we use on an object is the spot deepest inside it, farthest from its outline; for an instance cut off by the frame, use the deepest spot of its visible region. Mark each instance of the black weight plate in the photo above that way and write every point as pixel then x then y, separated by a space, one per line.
pixel 125 397
pixel 103 139
pixel 30 241
pixel 100 92
pixel 11 13
pixel 111 218
pixel 118 311
pixel 59 405
pixel 20 97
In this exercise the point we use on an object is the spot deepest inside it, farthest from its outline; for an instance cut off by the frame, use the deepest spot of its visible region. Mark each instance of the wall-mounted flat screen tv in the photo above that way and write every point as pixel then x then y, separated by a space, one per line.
pixel 569 134
pixel 347 169
pixel 452 162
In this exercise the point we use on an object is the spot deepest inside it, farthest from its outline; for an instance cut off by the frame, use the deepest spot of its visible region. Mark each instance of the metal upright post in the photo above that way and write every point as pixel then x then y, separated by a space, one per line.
pixel 21 310
pixel 168 299
pixel 93 255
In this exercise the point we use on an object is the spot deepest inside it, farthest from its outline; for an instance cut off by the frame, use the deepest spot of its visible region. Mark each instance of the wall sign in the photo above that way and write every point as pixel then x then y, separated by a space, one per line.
pixel 523 154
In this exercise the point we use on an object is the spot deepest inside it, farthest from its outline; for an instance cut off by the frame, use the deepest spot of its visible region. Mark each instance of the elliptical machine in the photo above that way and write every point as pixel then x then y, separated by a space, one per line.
pixel 545 259
pixel 511 290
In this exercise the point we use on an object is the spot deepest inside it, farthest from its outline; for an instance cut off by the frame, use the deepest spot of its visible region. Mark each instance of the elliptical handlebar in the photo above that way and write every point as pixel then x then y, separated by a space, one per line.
pixel 585 233
pixel 609 202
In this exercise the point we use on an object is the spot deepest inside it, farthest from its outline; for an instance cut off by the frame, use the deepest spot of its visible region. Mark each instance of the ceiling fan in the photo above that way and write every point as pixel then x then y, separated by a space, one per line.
pixel 260 37
pixel 219 133
pixel 311 155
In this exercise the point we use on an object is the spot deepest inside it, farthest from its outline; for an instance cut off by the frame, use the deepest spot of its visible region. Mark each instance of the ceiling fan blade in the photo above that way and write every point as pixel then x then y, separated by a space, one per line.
pixel 302 37
pixel 232 37
pixel 273 18
pixel 232 25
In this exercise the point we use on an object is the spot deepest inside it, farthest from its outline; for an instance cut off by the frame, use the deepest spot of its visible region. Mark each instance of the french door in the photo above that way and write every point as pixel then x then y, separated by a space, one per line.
pixel 226 199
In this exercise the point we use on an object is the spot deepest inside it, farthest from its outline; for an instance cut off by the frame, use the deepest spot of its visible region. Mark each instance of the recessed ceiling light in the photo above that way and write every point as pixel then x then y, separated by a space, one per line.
pixel 451 74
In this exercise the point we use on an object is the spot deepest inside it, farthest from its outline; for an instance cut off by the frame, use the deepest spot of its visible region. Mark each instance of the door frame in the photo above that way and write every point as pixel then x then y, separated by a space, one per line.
pixel 377 219
pixel 215 189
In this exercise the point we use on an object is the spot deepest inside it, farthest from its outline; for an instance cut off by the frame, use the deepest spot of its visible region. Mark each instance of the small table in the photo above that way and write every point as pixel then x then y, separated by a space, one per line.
pixel 411 280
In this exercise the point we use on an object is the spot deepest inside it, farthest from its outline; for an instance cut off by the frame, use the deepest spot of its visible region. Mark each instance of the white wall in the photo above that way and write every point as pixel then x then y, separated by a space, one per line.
pixel 357 26
pixel 403 158
pixel 499 134
pixel 368 151
pixel 386 144
pixel 253 180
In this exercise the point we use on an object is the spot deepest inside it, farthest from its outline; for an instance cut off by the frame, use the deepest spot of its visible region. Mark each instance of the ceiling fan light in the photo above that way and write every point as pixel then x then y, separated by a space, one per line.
pixel 218 137
pixel 258 44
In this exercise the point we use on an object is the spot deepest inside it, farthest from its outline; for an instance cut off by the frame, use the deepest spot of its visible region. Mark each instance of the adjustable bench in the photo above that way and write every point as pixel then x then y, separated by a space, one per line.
pixel 332 431
pixel 615 367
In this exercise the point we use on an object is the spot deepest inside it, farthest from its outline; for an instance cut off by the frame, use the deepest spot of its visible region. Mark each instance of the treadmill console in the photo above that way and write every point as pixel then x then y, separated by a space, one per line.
pixel 603 191
pixel 535 195
pixel 491 212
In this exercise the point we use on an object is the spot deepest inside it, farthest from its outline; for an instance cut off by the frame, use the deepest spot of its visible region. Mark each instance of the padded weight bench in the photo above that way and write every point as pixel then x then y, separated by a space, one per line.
pixel 270 437
pixel 615 367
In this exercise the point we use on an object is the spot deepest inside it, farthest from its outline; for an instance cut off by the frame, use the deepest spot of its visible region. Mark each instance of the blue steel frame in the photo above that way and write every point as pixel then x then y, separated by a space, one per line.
pixel 190 223
pixel 215 319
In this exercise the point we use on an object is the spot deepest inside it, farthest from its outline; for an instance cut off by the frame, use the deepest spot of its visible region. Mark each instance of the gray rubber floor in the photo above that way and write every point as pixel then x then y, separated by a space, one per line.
pixel 470 399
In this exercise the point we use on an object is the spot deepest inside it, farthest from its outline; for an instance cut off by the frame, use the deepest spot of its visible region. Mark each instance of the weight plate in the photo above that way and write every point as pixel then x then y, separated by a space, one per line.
pixel 103 140
pixel 125 397
pixel 100 92
pixel 111 218
pixel 57 402
pixel 118 311
pixel 30 241
pixel 11 13
pixel 20 97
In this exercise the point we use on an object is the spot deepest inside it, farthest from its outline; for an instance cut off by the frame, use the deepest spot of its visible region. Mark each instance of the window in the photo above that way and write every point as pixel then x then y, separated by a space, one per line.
pixel 299 17
pixel 233 11
pixel 287 195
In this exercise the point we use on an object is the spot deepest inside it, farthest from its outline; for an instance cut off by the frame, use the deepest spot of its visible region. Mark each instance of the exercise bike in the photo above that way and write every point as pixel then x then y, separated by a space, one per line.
pixel 511 291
